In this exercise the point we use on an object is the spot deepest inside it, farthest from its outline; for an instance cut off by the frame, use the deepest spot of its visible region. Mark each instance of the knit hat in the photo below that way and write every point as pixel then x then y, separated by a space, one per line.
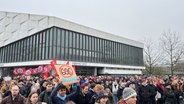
pixel 102 94
pixel 128 93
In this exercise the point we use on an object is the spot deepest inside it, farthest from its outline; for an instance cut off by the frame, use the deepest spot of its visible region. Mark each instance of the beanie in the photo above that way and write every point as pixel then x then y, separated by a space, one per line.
pixel 128 93
pixel 102 94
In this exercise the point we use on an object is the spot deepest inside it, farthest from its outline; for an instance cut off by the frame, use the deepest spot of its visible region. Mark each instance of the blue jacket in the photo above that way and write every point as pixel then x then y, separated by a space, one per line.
pixel 57 100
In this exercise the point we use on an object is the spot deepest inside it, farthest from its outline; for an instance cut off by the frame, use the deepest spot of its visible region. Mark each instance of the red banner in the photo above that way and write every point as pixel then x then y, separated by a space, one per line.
pixel 15 71
pixel 40 69
pixel 20 70
pixel 27 72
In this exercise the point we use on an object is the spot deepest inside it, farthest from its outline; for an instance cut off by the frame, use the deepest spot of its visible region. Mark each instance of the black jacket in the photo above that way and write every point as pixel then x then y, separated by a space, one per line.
pixel 145 93
pixel 169 96
pixel 45 97
pixel 81 99
pixel 90 94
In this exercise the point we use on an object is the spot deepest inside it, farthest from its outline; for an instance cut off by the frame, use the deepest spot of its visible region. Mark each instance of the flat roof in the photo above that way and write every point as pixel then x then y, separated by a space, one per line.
pixel 15 26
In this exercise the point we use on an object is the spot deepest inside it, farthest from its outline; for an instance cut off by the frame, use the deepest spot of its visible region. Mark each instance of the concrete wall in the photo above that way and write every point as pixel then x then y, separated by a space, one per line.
pixel 15 26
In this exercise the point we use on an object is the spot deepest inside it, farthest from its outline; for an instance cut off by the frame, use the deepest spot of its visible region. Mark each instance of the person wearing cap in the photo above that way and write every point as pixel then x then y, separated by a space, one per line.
pixel 102 98
pixel 129 96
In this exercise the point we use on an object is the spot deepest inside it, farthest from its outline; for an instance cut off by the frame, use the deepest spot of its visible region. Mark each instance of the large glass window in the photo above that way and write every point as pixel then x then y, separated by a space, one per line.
pixel 64 44
pixel 84 47
pixel 74 46
pixel 37 45
pixel 51 44
pixel 54 40
pixel 58 53
pixel 43 46
pixel 70 47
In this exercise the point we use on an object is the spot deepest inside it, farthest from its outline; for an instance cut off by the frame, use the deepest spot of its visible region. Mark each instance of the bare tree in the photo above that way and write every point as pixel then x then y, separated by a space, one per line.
pixel 152 55
pixel 173 47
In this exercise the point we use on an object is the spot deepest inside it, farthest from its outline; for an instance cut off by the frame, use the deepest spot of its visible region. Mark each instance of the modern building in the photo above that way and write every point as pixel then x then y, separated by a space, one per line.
pixel 179 68
pixel 28 40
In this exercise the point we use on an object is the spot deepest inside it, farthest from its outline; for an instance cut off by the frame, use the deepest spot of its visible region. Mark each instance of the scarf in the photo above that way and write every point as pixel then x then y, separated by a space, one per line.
pixel 61 97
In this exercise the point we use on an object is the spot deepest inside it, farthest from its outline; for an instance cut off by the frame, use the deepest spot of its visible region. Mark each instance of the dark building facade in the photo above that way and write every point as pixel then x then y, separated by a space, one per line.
pixel 91 53
pixel 66 45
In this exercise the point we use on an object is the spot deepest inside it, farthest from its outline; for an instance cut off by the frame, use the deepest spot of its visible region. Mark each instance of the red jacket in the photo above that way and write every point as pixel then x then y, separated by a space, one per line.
pixel 121 102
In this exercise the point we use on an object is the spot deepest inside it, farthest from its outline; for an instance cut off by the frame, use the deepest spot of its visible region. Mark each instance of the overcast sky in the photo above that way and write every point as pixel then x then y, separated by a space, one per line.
pixel 133 19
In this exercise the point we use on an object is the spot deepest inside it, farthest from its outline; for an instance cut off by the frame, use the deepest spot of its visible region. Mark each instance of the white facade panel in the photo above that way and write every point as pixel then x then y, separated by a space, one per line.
pixel 43 23
pixel 34 23
pixel 2 15
pixel 36 17
pixel 11 15
pixel 113 71
pixel 20 18
pixel 32 63
pixel 12 27
pixel 2 29
pixel 6 21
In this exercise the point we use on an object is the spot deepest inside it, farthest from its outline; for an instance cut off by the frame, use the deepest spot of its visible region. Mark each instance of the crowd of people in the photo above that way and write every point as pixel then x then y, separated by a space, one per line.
pixel 138 89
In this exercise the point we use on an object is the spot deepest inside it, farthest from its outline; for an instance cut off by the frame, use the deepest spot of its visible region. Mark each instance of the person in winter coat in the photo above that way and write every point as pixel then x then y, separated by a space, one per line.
pixel 97 89
pixel 120 89
pixel 28 85
pixel 169 94
pixel 15 97
pixel 22 88
pixel 91 91
pixel 110 95
pixel 175 88
pixel 129 96
pixel 160 91
pixel 82 97
pixel 145 93
pixel 59 96
pixel 153 91
pixel 45 96
pixel 115 87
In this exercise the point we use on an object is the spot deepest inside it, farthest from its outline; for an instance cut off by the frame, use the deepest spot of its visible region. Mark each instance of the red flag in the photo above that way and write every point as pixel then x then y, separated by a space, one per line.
pixel 21 70
pixel 45 75
pixel 45 69
pixel 56 74
pixel 34 71
pixel 68 62
pixel 31 70
pixel 53 62
pixel 40 69
pixel 49 68
pixel 27 73
pixel 15 71
pixel 74 67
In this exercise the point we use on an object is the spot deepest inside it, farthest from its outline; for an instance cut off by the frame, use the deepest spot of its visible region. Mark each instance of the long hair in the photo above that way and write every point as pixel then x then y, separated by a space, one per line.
pixel 28 101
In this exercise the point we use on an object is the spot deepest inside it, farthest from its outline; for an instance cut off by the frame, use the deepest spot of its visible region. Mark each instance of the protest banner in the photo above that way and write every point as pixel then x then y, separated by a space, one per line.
pixel 67 74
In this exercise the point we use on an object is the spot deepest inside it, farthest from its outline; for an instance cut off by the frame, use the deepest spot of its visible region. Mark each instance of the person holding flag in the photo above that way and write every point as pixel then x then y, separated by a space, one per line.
pixel 59 95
